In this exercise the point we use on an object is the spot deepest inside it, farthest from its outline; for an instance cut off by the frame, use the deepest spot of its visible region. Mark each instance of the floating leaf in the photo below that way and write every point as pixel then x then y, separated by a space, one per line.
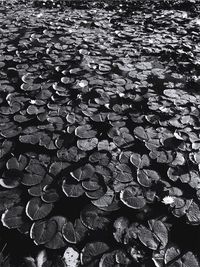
pixel 18 164
pixel 160 232
pixel 94 218
pixel 96 194
pixel 5 148
pixel 36 209
pixel 189 259
pixel 57 241
pixel 9 182
pixel 93 250
pixel 129 196
pixel 140 133
pixel 9 198
pixel 123 173
pixel 92 184
pixel 87 144
pixel 105 200
pixel 43 231
pixel 37 190
pixel 108 260
pixel 171 254
pixel 12 218
pixel 147 238
pixel 72 189
pixel 85 132
pixel 50 196
pixel 146 177
pixel 83 173
pixel 193 213
pixel 57 166
pixel 74 233
pixel 140 161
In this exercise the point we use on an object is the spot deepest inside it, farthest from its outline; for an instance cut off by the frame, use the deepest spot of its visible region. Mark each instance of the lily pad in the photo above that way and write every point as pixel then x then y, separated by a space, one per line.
pixel 13 218
pixel 83 173
pixel 43 231
pixel 130 197
pixel 85 131
pixel 72 189
pixel 147 177
pixel 94 218
pixel 57 241
pixel 93 250
pixel 105 200
pixel 74 233
pixel 87 144
pixel 36 209
pixel 147 238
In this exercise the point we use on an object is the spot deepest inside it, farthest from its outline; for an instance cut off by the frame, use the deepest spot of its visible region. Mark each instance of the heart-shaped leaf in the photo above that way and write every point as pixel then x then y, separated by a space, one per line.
pixel 146 177
pixel 74 233
pixel 93 250
pixel 94 218
pixel 43 231
pixel 129 196
pixel 83 173
pixel 13 218
pixel 72 189
pixel 36 209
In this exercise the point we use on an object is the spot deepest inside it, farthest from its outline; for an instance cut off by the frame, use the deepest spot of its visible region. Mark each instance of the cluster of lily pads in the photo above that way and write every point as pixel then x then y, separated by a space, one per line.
pixel 128 5
pixel 99 134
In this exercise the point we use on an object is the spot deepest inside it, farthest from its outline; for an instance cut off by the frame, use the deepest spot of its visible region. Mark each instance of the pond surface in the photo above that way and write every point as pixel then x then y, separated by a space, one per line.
pixel 99 136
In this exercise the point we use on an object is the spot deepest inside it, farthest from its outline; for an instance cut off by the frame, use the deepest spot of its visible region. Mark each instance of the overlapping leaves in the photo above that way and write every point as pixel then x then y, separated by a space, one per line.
pixel 94 112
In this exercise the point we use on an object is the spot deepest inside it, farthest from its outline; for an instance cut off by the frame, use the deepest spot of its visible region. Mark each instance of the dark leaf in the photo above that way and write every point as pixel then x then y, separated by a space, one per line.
pixel 43 231
pixel 93 250
pixel 160 232
pixel 85 132
pixel 87 144
pixel 123 173
pixel 105 200
pixel 129 196
pixel 140 161
pixel 83 173
pixel 74 233
pixel 5 148
pixel 147 238
pixel 146 177
pixel 9 198
pixel 57 241
pixel 57 167
pixel 94 218
pixel 18 164
pixel 193 214
pixel 72 189
pixel 50 196
pixel 12 218
pixel 36 209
